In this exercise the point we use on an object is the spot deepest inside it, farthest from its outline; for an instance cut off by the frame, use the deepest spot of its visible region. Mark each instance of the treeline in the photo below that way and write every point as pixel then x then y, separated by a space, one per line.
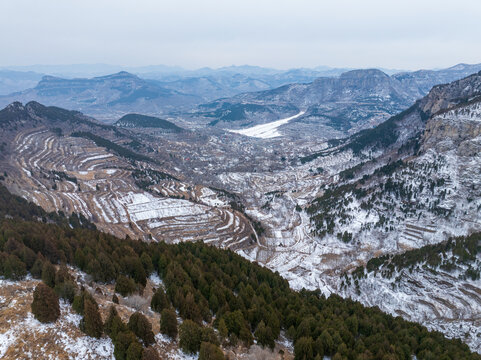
pixel 119 150
pixel 144 121
pixel 383 135
pixel 144 178
pixel 16 207
pixel 243 300
pixel 449 255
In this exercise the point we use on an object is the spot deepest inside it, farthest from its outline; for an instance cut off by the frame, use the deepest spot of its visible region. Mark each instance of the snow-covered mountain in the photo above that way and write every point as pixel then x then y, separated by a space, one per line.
pixel 414 182
pixel 317 212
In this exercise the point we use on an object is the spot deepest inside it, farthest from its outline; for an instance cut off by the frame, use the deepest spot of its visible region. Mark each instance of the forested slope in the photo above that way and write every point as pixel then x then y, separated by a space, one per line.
pixel 221 288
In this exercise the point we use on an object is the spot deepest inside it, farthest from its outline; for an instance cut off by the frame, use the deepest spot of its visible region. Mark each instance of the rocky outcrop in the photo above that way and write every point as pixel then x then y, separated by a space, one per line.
pixel 444 97
pixel 459 129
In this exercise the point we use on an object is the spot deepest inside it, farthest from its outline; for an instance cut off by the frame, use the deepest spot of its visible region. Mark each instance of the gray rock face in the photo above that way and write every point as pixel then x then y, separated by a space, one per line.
pixel 423 117
pixel 458 129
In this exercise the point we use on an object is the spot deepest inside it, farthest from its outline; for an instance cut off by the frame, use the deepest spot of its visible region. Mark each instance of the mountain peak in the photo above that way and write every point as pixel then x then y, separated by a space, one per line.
pixel 120 75
pixel 49 78
pixel 362 73
pixel 15 106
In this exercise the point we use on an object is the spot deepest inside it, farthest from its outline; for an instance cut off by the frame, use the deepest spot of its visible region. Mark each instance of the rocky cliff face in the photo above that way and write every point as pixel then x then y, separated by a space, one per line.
pixel 443 97
pixel 459 129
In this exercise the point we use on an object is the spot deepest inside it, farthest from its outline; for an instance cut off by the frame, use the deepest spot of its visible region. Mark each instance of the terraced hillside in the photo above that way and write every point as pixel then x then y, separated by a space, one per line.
pixel 411 182
pixel 436 284
pixel 119 195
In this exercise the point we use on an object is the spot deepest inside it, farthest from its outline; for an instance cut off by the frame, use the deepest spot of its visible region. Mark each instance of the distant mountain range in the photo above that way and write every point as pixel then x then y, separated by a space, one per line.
pixel 105 97
pixel 13 81
pixel 206 83
pixel 335 106
pixel 337 102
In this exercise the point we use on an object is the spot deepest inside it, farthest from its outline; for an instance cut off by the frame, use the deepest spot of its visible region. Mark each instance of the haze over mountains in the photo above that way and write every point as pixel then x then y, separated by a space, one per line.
pixel 368 188
pixel 336 102
pixel 355 100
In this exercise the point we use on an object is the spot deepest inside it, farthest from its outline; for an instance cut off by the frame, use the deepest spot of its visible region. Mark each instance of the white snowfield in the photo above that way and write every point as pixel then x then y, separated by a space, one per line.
pixel 267 131
pixel 144 206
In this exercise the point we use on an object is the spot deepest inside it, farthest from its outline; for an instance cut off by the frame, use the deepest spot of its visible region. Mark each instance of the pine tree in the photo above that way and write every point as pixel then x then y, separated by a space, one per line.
pixel 122 343
pixel 264 335
pixel 48 274
pixel 113 324
pixel 141 327
pixel 168 323
pixel 45 305
pixel 208 335
pixel 190 310
pixel 92 322
pixel 303 349
pixel 14 268
pixel 147 263
pixel 66 290
pixel 159 301
pixel 190 336
pixel 134 352
pixel 210 351
pixel 327 342
pixel 124 285
pixel 223 332
pixel 79 301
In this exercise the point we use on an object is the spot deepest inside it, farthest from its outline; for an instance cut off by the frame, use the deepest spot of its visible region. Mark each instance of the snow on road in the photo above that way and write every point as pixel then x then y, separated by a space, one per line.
pixel 267 131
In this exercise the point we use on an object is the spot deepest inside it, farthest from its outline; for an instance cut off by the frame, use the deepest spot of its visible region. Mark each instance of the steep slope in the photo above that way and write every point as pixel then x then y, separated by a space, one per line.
pixel 106 97
pixel 200 283
pixel 442 132
pixel 422 81
pixel 419 186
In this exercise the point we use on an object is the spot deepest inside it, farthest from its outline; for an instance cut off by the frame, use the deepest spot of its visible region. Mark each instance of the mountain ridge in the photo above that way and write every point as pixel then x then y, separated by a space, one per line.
pixel 104 96
pixel 144 121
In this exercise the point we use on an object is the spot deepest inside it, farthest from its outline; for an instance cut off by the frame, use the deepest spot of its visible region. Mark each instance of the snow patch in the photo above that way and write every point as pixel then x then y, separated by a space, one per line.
pixel 267 131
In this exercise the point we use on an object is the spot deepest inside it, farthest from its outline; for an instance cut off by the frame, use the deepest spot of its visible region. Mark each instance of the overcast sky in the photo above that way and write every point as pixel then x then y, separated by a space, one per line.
pixel 407 34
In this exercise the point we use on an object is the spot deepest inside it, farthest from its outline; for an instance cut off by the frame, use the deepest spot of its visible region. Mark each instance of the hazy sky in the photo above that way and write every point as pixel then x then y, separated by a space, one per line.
pixel 407 34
